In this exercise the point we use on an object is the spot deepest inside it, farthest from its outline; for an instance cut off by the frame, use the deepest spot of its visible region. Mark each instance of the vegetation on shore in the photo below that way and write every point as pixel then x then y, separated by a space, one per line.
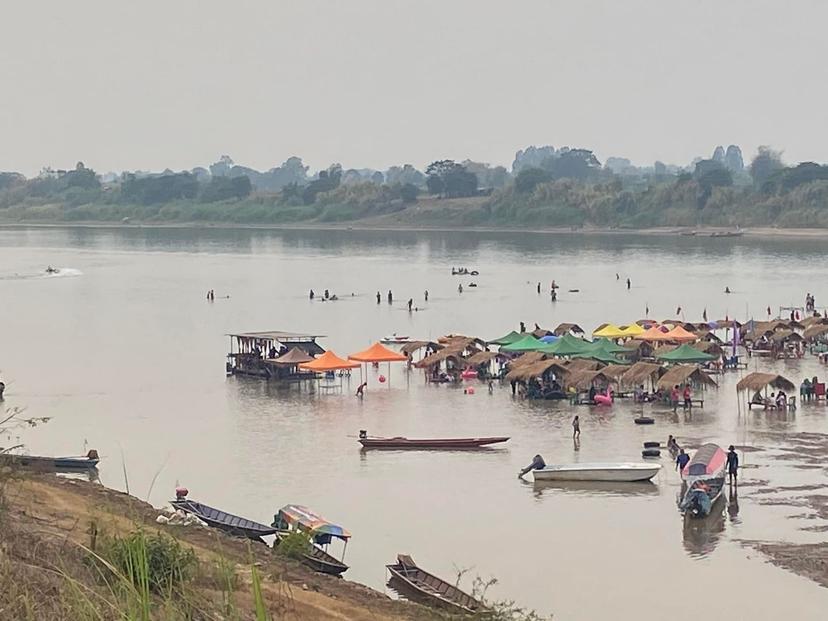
pixel 546 187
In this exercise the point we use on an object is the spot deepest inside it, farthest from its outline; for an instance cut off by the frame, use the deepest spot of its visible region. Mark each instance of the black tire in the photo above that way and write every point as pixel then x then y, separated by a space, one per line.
pixel 651 452
pixel 644 420
pixel 652 445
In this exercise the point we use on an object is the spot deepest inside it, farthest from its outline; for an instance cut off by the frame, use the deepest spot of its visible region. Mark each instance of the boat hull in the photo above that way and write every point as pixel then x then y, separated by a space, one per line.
pixel 625 473
pixel 231 524
pixel 319 560
pixel 50 463
pixel 432 444
pixel 432 590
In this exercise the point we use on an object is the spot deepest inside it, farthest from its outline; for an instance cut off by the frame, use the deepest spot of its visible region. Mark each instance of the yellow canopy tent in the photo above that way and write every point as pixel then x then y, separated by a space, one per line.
pixel 610 331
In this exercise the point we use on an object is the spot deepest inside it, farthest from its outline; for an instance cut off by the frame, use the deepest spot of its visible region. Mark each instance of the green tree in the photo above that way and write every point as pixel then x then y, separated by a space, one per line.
pixel 766 163
pixel 528 178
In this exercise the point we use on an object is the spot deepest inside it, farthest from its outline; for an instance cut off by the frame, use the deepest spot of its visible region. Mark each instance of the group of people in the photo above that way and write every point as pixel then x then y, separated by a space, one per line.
pixel 809 303
pixel 808 389
pixel 682 459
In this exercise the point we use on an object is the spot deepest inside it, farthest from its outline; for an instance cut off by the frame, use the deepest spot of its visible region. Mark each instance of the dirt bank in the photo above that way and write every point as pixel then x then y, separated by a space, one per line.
pixel 48 523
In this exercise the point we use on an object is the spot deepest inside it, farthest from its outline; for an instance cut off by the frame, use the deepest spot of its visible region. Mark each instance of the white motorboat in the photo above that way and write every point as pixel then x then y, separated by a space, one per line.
pixel 395 339
pixel 626 472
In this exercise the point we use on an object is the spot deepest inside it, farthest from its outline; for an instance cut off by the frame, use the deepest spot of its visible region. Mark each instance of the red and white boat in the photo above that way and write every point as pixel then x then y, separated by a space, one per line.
pixel 704 478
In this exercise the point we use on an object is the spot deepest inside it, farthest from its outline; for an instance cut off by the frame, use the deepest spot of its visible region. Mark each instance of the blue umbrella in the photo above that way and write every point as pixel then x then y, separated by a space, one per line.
pixel 550 338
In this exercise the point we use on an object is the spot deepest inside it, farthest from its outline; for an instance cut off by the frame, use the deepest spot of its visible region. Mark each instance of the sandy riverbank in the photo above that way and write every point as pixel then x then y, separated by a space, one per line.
pixel 381 224
pixel 47 524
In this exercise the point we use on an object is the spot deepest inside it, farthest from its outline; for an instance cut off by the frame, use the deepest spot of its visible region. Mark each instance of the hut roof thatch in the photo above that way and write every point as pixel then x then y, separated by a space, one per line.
pixel 615 371
pixel 410 348
pixel 639 372
pixel 584 379
pixel 481 357
pixel 814 321
pixel 785 336
pixel 568 327
pixel 536 369
pixel 758 381
pixel 682 373
pixel 815 330
pixel 436 358
pixel 528 358
pixel 582 364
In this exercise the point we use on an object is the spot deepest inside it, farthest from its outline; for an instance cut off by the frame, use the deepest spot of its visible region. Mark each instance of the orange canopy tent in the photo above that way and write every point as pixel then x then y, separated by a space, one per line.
pixel 378 353
pixel 680 335
pixel 653 334
pixel 328 361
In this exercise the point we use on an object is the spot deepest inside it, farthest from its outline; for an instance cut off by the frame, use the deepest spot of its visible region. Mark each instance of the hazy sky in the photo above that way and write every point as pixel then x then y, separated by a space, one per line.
pixel 151 84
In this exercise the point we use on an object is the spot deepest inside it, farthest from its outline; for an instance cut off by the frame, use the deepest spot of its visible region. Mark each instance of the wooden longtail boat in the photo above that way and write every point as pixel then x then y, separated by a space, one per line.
pixel 320 532
pixel 229 523
pixel 433 589
pixel 428 443
pixel 87 462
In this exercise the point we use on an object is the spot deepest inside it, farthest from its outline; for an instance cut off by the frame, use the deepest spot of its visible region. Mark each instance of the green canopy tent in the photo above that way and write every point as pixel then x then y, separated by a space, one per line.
pixel 685 353
pixel 567 345
pixel 512 337
pixel 527 343
pixel 610 347
pixel 600 356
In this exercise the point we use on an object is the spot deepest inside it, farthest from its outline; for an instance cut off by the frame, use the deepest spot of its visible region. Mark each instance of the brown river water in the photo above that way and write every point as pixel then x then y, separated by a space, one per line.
pixel 124 353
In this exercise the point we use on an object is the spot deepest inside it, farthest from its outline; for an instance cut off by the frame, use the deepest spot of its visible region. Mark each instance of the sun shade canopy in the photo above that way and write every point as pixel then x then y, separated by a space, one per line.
pixel 328 361
pixel 378 353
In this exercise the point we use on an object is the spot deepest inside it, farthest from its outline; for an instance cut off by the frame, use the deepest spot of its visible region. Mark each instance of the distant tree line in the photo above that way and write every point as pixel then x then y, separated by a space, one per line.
pixel 545 186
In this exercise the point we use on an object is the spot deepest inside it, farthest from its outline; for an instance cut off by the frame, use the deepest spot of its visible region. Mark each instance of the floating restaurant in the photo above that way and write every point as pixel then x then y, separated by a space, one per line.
pixel 272 355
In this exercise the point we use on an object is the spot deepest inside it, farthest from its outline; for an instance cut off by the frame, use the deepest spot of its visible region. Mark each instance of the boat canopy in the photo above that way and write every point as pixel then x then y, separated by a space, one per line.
pixel 708 460
pixel 307 520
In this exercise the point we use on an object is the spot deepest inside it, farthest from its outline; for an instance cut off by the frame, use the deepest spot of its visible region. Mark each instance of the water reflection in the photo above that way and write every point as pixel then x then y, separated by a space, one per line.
pixel 701 535
pixel 594 488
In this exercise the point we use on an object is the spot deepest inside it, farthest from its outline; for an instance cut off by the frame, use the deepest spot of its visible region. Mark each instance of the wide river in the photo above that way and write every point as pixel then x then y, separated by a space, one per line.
pixel 124 353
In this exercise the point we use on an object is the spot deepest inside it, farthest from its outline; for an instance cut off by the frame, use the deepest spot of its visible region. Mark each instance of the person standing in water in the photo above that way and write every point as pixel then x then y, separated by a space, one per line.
pixel 681 460
pixel 379 297
pixel 410 304
pixel 390 297
pixel 426 295
pixel 311 295
pixel 628 284
pixel 460 288
pixel 732 464
pixel 576 427
pixel 538 288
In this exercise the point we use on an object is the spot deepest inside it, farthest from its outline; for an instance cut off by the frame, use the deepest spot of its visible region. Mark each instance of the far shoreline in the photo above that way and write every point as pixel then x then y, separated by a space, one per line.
pixel 701 232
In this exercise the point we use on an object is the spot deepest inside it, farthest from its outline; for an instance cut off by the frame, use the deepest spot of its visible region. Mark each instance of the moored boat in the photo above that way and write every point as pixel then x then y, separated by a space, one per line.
pixel 428 443
pixel 704 478
pixel 395 338
pixel 622 472
pixel 216 518
pixel 34 462
pixel 296 518
pixel 433 590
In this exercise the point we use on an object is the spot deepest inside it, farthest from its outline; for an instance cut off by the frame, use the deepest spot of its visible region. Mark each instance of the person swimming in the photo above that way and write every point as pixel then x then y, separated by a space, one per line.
pixel 727 289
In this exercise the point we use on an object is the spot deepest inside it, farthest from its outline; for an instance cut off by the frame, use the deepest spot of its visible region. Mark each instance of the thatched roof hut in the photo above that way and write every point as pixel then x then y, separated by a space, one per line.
pixel 814 320
pixel 615 371
pixel 566 328
pixel 639 373
pixel 815 332
pixel 536 369
pixel 683 374
pixel 445 354
pixel 410 348
pixel 481 357
pixel 755 382
pixel 528 358
pixel 582 364
pixel 581 380
pixel 782 337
